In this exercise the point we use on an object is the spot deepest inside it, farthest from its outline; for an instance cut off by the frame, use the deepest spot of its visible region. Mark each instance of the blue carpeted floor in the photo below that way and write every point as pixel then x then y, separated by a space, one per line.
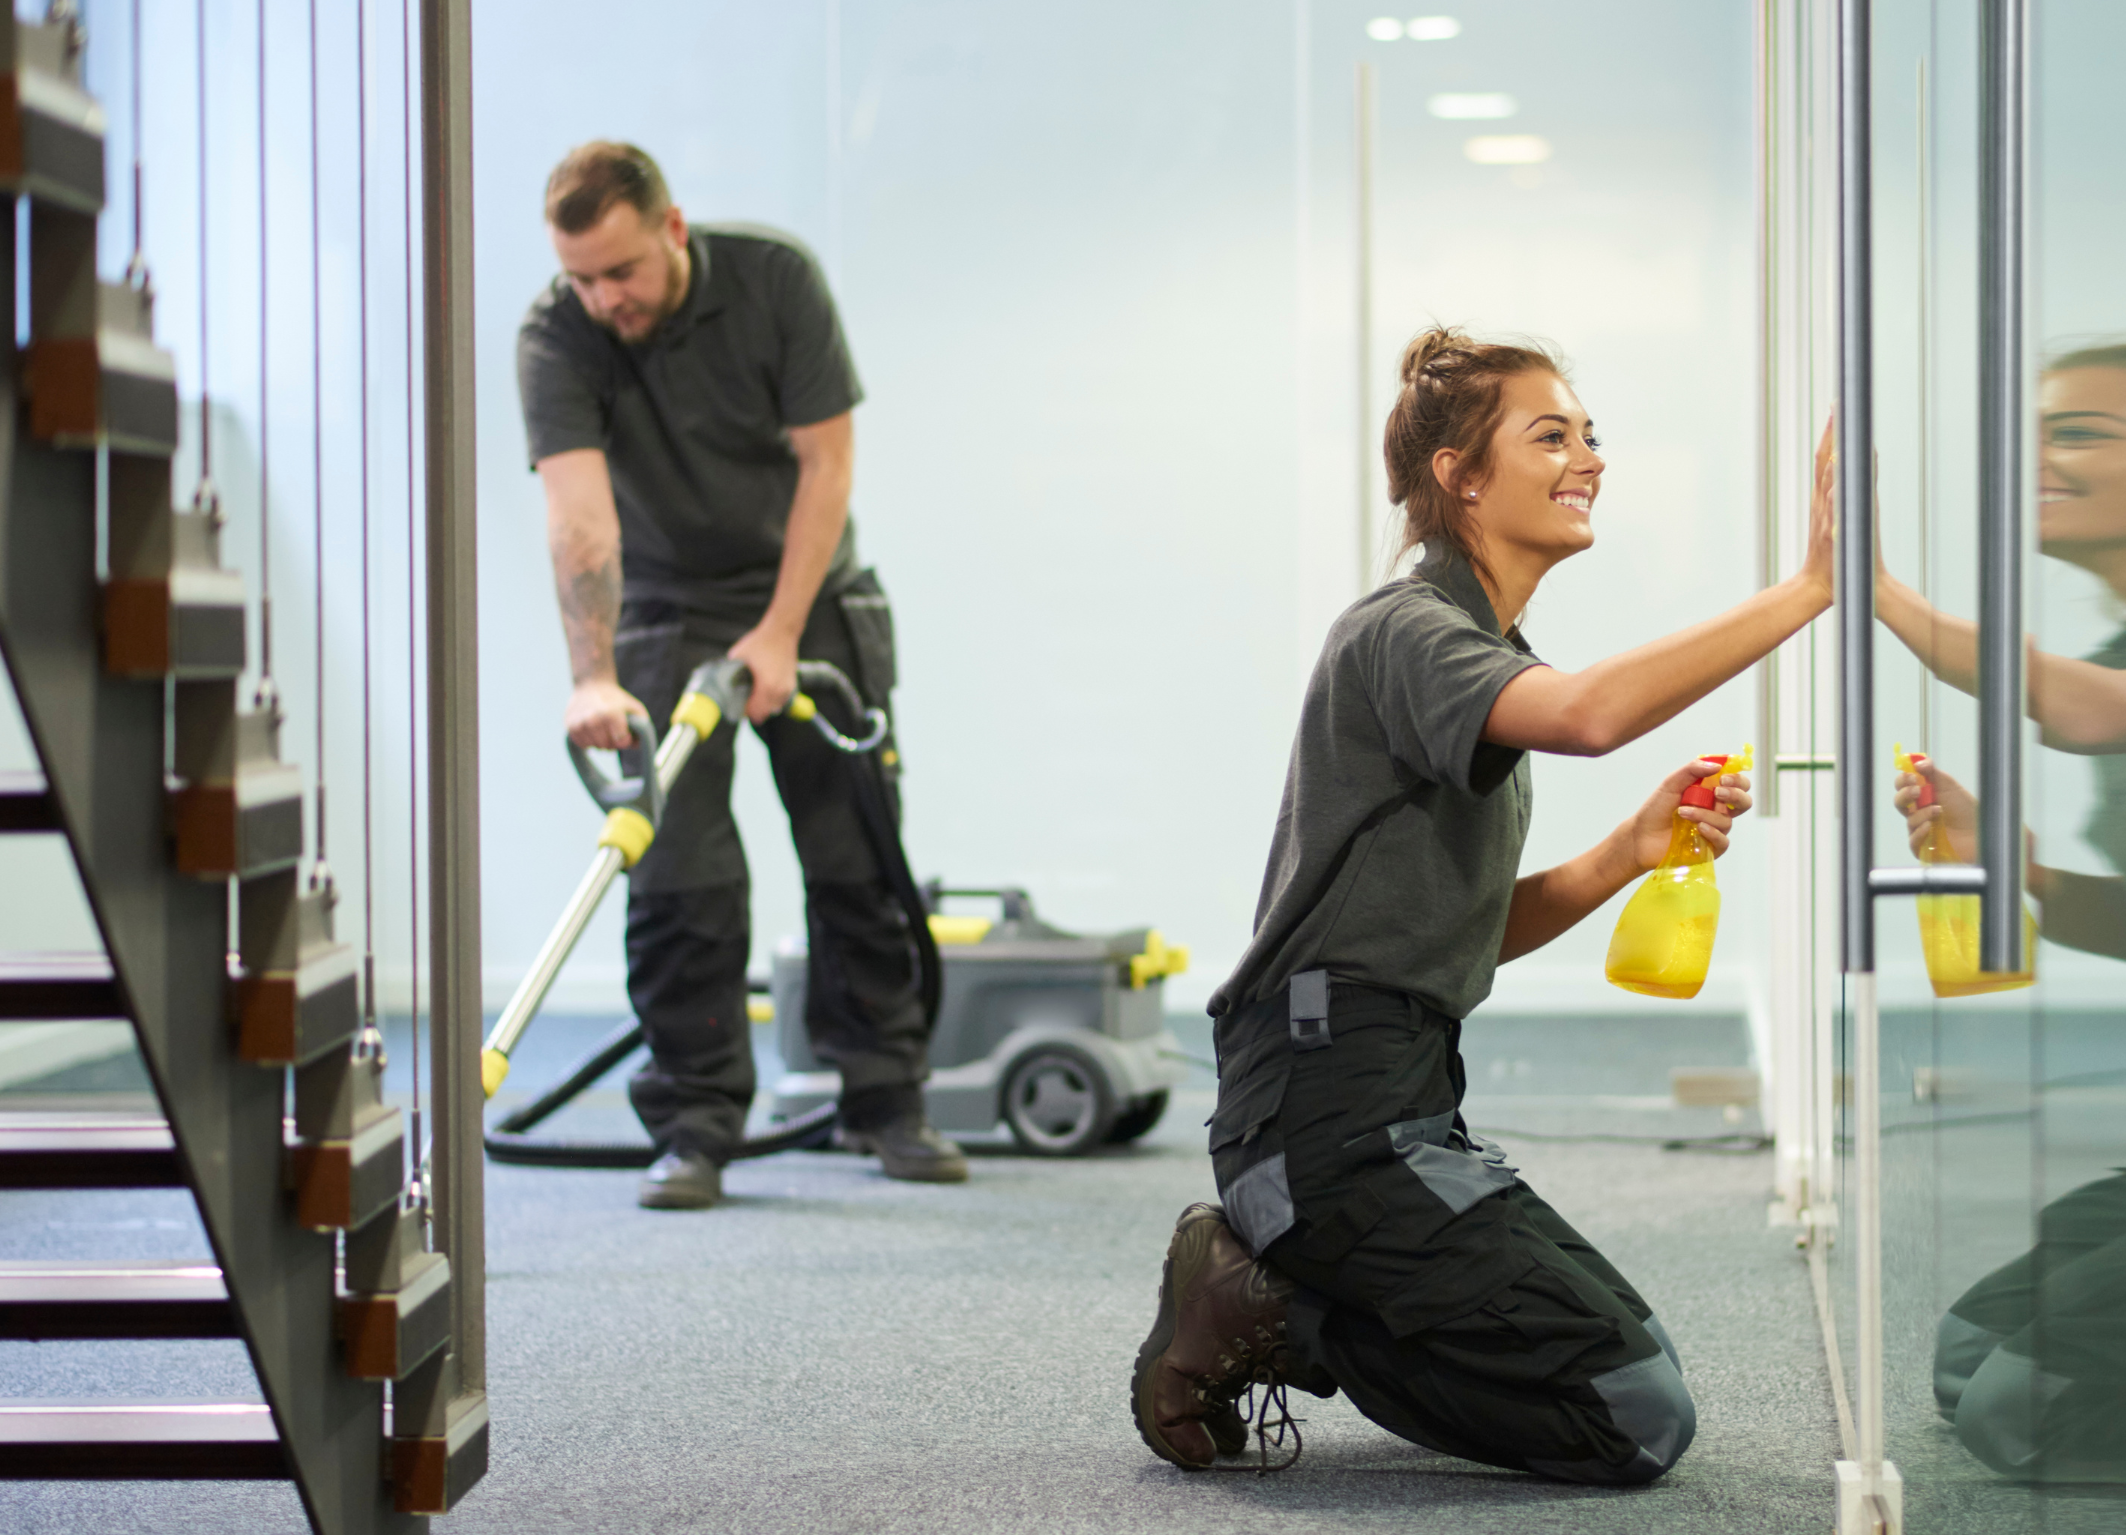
pixel 831 1351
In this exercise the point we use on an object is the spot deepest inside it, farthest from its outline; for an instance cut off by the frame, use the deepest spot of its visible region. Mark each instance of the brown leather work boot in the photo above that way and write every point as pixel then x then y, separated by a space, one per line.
pixel 1220 1326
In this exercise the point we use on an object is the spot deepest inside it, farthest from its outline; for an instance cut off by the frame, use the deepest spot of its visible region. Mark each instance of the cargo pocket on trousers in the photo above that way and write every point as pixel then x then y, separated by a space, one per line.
pixel 1247 1159
pixel 870 619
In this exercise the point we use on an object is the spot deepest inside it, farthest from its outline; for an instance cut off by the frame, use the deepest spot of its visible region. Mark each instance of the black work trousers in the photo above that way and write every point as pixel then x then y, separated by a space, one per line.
pixel 688 927
pixel 1436 1289
pixel 2030 1362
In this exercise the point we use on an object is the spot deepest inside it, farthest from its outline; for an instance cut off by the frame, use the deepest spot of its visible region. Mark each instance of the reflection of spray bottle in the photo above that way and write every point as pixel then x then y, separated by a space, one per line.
pixel 1948 924
pixel 1664 937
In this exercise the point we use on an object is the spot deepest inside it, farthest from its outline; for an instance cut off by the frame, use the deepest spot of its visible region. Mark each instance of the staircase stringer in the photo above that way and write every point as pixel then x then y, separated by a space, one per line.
pixel 101 744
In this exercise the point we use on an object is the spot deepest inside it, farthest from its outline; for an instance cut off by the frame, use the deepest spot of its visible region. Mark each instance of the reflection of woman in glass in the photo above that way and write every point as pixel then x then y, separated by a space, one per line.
pixel 2030 1363
pixel 1368 1242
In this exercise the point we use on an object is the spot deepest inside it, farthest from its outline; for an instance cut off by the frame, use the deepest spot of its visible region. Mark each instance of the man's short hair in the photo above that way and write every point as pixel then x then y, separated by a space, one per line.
pixel 594 176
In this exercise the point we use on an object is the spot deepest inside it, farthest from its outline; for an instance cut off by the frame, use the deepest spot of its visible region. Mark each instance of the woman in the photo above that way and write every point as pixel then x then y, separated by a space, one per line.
pixel 2028 1362
pixel 1367 1241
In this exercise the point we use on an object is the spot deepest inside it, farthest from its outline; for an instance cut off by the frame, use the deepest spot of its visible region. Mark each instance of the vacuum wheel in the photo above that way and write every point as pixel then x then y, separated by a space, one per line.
pixel 1058 1102
pixel 1138 1118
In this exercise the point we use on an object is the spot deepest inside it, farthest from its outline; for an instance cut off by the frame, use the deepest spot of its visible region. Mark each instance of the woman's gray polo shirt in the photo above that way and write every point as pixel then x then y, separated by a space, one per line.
pixel 1399 837
pixel 694 420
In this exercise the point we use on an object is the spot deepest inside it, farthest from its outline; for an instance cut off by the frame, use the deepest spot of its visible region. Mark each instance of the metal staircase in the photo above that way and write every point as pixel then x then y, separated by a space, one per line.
pixel 170 792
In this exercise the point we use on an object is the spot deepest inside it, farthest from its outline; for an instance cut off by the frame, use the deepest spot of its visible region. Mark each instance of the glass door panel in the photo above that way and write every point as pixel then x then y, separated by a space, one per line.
pixel 2049 1403
pixel 1955 1047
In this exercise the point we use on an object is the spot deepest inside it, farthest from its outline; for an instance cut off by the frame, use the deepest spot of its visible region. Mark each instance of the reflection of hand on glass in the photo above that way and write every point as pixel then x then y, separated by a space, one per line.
pixel 2079 704
pixel 1945 831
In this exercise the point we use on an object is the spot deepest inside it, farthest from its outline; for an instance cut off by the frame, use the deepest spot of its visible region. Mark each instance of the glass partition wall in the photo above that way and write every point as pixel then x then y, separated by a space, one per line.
pixel 1950 1141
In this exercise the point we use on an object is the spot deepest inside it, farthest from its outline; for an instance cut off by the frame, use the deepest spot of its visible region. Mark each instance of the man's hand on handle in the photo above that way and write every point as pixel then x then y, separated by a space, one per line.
pixel 598 713
pixel 770 655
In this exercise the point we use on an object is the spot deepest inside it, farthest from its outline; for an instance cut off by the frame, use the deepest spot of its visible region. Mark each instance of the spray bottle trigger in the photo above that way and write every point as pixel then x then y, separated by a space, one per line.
pixel 1703 794
pixel 1909 762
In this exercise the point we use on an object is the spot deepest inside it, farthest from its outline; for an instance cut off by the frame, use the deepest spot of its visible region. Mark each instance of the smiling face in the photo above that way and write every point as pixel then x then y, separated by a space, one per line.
pixel 1539 490
pixel 2082 462
pixel 629 272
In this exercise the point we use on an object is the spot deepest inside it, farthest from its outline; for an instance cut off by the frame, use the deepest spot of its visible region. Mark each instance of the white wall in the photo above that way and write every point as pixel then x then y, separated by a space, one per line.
pixel 1095 265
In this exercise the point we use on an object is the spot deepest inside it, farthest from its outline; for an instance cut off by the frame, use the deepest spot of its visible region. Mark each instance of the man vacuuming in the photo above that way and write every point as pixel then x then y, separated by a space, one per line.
pixel 688 400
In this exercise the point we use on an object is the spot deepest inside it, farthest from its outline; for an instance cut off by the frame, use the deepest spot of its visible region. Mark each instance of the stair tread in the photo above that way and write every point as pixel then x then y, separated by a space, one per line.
pixel 121 1299
pixel 85 1133
pixel 55 964
pixel 26 803
pixel 170 1440
pixel 61 1151
pixel 58 985
pixel 69 1421
pixel 110 1282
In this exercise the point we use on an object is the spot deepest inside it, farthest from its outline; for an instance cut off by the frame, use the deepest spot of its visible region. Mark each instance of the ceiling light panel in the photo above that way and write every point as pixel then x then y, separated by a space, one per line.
pixel 1507 149
pixel 1466 106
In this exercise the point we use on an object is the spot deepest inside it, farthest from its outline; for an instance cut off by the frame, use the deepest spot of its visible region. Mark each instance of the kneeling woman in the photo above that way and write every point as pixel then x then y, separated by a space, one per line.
pixel 1368 1242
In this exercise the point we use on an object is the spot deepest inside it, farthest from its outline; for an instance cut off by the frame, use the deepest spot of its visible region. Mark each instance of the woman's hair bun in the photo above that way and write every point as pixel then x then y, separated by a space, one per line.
pixel 1428 347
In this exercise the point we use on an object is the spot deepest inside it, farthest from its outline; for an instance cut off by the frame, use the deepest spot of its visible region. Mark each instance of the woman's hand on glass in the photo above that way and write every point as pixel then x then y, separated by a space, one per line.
pixel 1654 824
pixel 1817 564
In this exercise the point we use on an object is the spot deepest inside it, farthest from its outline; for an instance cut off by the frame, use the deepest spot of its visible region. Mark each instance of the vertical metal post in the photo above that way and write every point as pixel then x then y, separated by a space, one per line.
pixel 2003 391
pixel 1368 436
pixel 1768 359
pixel 1856 723
pixel 453 675
pixel 1856 454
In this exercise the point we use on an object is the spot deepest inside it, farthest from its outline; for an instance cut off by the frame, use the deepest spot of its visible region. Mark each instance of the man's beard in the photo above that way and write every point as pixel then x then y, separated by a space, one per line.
pixel 675 284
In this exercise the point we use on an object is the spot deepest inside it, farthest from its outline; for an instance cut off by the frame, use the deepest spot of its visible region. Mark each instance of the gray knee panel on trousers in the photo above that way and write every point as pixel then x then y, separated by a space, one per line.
pixel 2001 1414
pixel 1649 1403
pixel 1258 1204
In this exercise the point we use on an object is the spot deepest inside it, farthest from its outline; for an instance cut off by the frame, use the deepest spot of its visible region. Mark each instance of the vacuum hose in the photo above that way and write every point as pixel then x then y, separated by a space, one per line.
pixel 508 1142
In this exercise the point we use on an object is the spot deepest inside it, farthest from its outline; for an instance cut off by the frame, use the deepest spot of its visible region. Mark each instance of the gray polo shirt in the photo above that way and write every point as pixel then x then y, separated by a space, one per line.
pixel 694 420
pixel 1399 837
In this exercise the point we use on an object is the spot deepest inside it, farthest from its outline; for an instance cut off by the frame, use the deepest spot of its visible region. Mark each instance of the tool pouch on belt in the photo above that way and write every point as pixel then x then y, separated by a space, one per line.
pixel 870 619
pixel 646 655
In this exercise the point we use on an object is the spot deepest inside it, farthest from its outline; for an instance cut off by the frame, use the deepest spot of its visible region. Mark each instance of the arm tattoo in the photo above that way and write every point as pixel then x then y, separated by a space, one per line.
pixel 590 610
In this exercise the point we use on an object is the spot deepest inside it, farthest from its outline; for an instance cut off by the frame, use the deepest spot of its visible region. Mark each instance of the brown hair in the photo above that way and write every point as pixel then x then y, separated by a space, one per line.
pixel 2111 354
pixel 594 176
pixel 1451 397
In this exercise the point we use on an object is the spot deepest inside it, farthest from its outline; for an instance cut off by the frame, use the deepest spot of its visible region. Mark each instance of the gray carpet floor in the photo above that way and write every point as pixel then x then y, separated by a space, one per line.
pixel 831 1351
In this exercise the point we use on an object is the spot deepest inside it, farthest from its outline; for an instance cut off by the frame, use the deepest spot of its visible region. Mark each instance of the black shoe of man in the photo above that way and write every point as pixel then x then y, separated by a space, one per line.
pixel 889 1123
pixel 681 1180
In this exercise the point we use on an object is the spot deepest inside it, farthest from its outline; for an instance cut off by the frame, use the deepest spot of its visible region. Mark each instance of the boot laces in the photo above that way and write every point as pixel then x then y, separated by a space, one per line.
pixel 1264 1407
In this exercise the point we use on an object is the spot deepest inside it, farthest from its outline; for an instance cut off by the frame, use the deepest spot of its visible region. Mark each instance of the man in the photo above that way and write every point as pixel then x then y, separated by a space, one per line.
pixel 687 398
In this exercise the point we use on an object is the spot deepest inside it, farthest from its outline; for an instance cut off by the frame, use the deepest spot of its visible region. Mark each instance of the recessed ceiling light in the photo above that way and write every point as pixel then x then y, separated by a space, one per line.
pixel 1508 149
pixel 1384 29
pixel 1432 29
pixel 1473 104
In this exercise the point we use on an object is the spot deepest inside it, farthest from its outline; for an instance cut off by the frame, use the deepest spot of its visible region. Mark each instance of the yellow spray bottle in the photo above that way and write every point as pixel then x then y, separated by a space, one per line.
pixel 1664 938
pixel 1948 924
